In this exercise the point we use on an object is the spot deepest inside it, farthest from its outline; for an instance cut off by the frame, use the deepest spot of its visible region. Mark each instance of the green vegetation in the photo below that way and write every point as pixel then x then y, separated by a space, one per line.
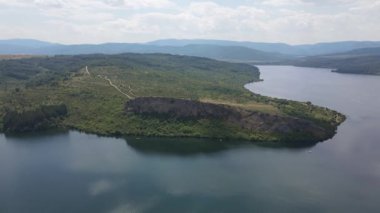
pixel 42 118
pixel 360 61
pixel 96 106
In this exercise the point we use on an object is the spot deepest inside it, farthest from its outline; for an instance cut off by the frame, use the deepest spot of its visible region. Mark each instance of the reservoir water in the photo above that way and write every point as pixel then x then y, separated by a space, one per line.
pixel 77 172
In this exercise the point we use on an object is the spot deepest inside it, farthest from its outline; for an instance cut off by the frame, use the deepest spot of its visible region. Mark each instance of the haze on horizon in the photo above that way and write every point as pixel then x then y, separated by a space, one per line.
pixel 99 21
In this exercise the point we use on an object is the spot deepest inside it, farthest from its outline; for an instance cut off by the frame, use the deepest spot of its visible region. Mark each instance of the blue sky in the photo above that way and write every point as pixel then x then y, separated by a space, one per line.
pixel 98 21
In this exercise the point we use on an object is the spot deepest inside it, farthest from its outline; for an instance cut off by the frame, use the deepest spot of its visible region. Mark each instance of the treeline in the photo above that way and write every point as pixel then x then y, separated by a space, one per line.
pixel 42 118
pixel 45 70
pixel 40 70
pixel 366 64
pixel 19 69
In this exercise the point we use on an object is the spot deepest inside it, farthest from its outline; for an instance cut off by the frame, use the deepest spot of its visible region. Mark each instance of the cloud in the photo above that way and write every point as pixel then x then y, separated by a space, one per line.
pixel 49 3
pixel 147 4
pixel 281 3
pixel 128 4
pixel 95 21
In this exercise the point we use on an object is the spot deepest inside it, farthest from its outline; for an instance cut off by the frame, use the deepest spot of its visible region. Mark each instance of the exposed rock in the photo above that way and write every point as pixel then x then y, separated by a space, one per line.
pixel 179 108
pixel 251 120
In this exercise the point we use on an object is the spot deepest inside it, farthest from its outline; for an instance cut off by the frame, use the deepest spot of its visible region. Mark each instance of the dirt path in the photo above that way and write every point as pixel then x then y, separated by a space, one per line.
pixel 113 85
pixel 88 71
pixel 131 90
pixel 117 88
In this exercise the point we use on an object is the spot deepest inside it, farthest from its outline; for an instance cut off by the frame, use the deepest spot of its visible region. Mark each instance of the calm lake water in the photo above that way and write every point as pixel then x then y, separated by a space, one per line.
pixel 76 172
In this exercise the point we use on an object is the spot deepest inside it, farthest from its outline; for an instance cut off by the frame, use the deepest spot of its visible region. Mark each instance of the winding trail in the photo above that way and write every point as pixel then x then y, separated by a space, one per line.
pixel 117 88
pixel 113 85
pixel 131 90
pixel 88 71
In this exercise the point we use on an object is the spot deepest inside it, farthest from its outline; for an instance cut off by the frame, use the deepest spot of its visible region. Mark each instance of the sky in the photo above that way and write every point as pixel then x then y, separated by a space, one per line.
pixel 100 21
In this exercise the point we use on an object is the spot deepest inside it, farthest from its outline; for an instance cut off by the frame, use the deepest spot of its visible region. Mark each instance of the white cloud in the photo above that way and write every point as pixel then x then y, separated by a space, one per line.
pixel 147 3
pixel 281 3
pixel 130 4
pixel 294 21
pixel 50 3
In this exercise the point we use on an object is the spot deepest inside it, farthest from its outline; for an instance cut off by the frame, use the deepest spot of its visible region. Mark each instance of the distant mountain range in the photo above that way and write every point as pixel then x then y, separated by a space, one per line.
pixel 296 50
pixel 253 52
pixel 26 43
pixel 229 53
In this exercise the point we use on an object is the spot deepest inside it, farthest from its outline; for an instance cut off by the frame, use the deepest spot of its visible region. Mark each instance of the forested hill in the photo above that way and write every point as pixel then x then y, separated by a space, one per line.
pixel 360 61
pixel 97 93
pixel 362 52
pixel 39 70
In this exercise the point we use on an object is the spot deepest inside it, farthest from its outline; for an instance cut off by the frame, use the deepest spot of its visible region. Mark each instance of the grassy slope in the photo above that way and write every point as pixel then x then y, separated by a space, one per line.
pixel 95 106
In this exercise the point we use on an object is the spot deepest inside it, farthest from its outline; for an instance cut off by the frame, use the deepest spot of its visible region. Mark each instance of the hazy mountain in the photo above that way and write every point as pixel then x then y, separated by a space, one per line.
pixel 301 50
pixel 22 46
pixel 217 49
pixel 230 53
pixel 31 43
pixel 108 48
pixel 268 47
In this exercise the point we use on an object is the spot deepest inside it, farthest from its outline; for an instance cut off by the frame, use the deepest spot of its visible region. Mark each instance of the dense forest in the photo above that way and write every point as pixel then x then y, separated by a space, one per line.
pixel 41 118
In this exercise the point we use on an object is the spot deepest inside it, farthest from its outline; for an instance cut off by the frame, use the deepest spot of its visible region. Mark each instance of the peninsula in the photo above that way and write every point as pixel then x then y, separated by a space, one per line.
pixel 152 95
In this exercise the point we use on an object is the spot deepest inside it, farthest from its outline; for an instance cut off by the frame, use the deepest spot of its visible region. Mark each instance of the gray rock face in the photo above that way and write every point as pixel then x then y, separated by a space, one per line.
pixel 179 108
pixel 251 120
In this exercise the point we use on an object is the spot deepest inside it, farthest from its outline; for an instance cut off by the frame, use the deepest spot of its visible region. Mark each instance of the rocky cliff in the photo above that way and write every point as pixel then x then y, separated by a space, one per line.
pixel 181 109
